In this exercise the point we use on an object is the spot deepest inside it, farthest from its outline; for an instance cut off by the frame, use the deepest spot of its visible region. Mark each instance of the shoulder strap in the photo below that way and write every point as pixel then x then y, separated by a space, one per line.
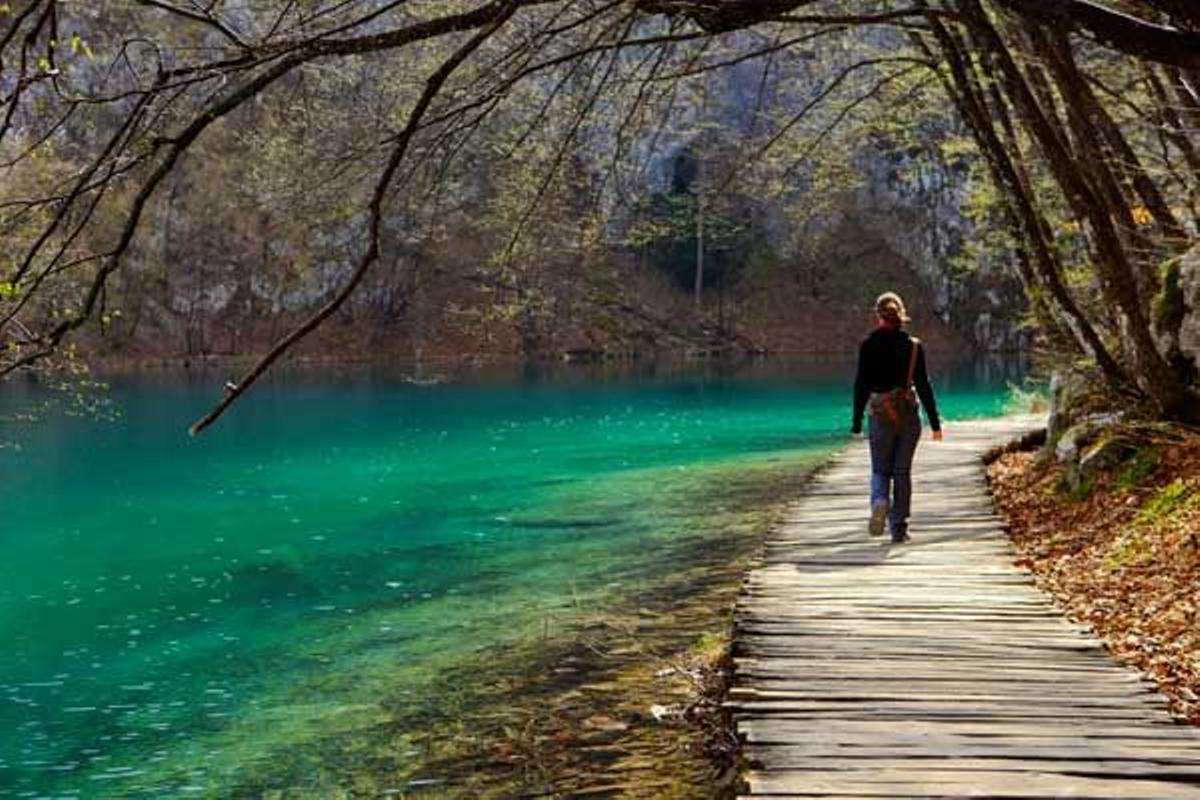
pixel 912 361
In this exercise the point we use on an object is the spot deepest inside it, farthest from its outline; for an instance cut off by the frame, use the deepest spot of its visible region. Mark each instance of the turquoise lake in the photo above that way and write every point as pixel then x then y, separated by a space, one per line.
pixel 186 617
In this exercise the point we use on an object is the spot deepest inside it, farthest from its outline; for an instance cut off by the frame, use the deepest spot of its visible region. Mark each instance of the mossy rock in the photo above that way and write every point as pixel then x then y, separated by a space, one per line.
pixel 1089 448
pixel 1107 453
pixel 1067 393
pixel 1070 444
pixel 1170 306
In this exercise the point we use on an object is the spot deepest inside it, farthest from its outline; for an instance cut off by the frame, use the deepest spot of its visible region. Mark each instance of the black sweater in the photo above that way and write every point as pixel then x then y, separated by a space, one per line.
pixel 883 366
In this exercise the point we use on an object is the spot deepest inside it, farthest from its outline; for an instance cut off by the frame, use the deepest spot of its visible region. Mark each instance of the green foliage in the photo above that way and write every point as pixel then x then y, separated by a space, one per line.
pixel 71 391
pixel 959 149
pixel 530 203
pixel 667 233
pixel 79 46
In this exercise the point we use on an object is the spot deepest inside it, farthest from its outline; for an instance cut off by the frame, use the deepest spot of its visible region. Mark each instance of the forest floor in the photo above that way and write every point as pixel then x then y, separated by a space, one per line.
pixel 1121 554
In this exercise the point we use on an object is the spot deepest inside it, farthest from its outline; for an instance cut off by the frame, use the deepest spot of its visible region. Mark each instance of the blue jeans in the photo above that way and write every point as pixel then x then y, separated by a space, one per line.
pixel 892 451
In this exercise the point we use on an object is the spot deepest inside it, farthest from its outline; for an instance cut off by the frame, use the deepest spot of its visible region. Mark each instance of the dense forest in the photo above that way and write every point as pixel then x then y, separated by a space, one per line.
pixel 585 177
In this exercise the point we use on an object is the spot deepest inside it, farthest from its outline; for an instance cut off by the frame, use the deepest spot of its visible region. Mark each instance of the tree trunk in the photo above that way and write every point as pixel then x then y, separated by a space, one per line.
pixel 1122 32
pixel 1099 164
pixel 1118 282
pixel 1177 132
pixel 1042 273
pixel 1057 51
pixel 699 282
pixel 1183 13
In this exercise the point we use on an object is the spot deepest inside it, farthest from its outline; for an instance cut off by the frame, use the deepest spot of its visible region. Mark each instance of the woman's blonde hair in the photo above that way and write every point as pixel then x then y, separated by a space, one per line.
pixel 890 308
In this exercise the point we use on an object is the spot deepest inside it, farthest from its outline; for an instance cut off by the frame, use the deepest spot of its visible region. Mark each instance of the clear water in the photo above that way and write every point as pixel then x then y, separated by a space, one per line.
pixel 183 616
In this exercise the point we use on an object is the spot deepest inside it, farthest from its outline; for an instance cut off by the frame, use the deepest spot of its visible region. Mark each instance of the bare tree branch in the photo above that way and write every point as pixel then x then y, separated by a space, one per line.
pixel 1120 31
pixel 432 86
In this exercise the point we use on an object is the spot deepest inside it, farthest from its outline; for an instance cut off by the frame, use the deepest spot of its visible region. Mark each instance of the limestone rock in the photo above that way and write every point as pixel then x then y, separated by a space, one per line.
pixel 1107 453
pixel 1066 389
pixel 1073 441
pixel 1087 448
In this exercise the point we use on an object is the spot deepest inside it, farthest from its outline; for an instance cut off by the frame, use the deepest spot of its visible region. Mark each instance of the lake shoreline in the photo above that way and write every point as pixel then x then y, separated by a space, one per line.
pixel 491 587
pixel 635 692
pixel 103 365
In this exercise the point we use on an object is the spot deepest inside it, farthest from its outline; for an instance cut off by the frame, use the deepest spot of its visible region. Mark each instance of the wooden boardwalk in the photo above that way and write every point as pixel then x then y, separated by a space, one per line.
pixel 935 668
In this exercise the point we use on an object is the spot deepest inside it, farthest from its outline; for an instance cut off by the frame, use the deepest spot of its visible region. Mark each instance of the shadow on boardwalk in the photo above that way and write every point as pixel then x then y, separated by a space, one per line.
pixel 936 668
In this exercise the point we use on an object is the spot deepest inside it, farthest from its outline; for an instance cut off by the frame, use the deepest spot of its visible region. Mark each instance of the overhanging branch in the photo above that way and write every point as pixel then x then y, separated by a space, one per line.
pixel 1121 32
pixel 432 87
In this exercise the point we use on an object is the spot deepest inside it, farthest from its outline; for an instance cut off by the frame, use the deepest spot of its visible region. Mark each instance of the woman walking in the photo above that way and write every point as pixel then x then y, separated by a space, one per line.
pixel 890 364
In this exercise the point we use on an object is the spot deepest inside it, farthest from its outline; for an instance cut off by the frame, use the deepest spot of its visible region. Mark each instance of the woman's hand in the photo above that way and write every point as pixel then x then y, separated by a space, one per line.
pixel 937 436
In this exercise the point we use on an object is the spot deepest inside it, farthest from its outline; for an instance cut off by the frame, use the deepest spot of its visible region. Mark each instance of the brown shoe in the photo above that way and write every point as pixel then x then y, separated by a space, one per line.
pixel 879 515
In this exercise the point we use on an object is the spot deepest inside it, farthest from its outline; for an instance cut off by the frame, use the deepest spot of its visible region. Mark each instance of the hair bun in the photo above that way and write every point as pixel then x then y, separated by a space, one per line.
pixel 890 307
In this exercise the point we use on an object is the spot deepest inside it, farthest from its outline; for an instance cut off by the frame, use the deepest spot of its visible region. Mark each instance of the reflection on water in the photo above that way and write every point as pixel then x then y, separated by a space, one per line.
pixel 283 597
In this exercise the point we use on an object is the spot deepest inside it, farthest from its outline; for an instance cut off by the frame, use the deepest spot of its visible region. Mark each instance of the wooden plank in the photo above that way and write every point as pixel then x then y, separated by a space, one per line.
pixel 1140 746
pixel 767 698
pixel 939 709
pixel 1032 747
pixel 975 634
pixel 949 783
pixel 935 669
pixel 760 674
pixel 956 683
pixel 782 730
pixel 1164 769
pixel 766 687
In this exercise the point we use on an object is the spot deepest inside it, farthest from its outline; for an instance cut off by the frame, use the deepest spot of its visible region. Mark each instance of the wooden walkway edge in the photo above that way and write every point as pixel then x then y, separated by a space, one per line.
pixel 934 668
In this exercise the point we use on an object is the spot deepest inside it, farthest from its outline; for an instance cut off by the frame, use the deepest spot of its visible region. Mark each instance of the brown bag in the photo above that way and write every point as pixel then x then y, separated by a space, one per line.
pixel 897 404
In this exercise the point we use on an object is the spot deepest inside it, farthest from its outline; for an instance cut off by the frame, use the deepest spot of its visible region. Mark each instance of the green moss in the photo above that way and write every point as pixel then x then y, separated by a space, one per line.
pixel 1170 307
pixel 1137 469
pixel 1129 550
pixel 1175 495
